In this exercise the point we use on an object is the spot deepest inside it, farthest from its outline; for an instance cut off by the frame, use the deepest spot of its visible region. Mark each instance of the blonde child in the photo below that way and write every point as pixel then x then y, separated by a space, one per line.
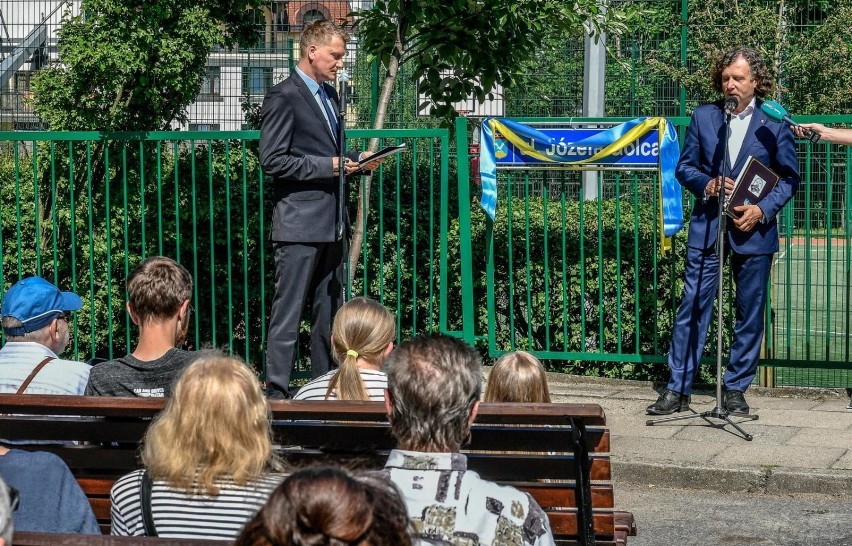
pixel 517 377
pixel 361 337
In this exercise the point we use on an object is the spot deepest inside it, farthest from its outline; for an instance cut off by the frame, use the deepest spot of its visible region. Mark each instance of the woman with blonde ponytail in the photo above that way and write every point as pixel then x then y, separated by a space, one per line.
pixel 361 337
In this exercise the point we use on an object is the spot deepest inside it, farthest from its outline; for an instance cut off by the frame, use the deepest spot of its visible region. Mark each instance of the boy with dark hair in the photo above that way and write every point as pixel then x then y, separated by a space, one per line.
pixel 158 294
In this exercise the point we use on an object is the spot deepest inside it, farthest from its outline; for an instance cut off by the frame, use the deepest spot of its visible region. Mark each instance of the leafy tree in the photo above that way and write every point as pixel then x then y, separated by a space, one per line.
pixel 135 66
pixel 821 87
pixel 462 48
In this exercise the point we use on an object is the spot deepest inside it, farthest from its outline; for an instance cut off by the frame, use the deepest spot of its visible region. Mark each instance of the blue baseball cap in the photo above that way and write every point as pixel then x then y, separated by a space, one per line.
pixel 36 302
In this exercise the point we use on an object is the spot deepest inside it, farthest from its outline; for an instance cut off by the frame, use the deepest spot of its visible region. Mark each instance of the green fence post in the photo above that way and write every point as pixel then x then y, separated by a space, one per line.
pixel 465 251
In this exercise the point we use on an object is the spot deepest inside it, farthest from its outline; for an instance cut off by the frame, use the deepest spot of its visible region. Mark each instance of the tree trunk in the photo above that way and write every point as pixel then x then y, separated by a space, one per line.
pixel 364 186
pixel 780 38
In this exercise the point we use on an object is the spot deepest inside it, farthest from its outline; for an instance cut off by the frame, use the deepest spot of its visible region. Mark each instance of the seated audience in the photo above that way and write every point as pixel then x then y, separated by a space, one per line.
pixel 517 377
pixel 361 337
pixel 35 319
pixel 432 399
pixel 158 294
pixel 330 506
pixel 208 457
pixel 49 499
pixel 6 509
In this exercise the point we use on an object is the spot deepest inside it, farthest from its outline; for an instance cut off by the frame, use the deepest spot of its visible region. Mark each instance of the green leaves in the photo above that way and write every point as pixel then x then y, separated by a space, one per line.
pixel 130 66
pixel 465 47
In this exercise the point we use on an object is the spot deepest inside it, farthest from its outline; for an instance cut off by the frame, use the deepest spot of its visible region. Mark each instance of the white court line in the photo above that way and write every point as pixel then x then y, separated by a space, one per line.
pixel 802 331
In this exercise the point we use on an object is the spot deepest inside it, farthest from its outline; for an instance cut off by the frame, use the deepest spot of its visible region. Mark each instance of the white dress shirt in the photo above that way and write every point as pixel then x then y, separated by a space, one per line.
pixel 737 132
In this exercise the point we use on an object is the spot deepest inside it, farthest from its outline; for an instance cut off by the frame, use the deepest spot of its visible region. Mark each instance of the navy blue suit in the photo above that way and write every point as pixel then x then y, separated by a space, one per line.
pixel 751 253
pixel 296 147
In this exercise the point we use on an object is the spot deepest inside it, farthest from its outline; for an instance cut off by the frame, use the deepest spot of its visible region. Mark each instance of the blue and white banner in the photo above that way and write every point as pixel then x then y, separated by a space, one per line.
pixel 642 142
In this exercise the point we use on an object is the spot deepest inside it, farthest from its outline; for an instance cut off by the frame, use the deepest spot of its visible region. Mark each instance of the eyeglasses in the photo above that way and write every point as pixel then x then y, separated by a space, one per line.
pixel 67 317
pixel 14 498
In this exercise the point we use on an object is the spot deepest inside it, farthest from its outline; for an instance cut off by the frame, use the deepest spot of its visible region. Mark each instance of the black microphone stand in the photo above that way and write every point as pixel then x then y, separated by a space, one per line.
pixel 718 412
pixel 343 78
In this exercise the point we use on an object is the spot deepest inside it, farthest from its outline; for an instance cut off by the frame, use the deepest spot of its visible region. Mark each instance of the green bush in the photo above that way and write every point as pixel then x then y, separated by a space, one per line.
pixel 630 292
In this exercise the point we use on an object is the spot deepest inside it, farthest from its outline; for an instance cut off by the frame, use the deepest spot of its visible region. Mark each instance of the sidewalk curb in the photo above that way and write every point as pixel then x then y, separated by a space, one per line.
pixel 768 480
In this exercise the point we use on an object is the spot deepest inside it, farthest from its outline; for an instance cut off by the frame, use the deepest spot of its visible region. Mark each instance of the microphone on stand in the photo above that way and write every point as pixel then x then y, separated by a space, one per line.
pixel 730 106
pixel 343 89
pixel 776 112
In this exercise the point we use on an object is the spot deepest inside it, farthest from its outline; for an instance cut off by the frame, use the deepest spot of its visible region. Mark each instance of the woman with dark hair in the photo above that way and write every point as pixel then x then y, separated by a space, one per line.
pixel 330 506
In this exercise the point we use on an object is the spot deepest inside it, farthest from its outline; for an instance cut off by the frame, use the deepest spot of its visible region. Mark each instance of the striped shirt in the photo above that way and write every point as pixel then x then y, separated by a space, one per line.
pixel 178 514
pixel 375 382
pixel 17 360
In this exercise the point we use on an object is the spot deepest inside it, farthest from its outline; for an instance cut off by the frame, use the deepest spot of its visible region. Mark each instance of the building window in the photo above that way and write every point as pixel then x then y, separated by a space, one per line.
pixel 257 80
pixel 22 81
pixel 211 87
pixel 312 15
pixel 203 126
pixel 280 18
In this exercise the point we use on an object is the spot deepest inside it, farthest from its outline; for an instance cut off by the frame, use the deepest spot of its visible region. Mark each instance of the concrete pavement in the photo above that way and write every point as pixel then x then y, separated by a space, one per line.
pixel 802 441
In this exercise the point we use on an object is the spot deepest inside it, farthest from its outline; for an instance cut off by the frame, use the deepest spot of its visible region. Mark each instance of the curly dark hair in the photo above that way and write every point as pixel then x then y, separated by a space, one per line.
pixel 764 79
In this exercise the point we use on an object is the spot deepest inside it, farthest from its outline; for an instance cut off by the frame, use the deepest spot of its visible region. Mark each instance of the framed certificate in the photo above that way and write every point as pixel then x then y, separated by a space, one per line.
pixel 755 181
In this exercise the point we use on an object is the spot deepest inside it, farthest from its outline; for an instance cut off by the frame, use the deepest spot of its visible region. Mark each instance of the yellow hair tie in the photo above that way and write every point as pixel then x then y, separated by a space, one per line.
pixel 352 353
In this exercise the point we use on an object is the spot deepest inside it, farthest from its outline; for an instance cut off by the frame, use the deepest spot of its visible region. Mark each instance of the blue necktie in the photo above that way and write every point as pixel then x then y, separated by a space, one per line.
pixel 332 119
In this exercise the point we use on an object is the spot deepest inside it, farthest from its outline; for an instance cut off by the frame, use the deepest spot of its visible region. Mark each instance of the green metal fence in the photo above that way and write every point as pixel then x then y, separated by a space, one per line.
pixel 581 283
pixel 82 209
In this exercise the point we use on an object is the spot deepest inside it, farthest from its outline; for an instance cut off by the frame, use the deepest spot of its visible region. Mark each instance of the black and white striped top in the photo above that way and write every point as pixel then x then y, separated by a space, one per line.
pixel 178 514
pixel 375 381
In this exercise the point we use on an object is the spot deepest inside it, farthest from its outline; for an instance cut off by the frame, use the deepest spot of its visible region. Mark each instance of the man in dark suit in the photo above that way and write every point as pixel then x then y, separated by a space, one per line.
pixel 299 149
pixel 750 241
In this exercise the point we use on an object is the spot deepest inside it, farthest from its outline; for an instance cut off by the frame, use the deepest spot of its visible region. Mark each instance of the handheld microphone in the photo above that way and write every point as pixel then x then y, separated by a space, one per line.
pixel 730 105
pixel 776 112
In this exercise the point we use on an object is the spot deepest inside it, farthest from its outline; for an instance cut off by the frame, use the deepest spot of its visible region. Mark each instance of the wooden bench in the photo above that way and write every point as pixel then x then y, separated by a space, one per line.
pixel 559 453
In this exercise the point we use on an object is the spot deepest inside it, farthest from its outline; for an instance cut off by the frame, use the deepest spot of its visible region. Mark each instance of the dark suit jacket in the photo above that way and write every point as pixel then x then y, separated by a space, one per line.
pixel 701 160
pixel 296 145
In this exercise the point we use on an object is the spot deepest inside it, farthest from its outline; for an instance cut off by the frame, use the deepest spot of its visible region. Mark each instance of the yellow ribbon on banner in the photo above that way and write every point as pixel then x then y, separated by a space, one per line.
pixel 665 242
pixel 636 132
pixel 518 142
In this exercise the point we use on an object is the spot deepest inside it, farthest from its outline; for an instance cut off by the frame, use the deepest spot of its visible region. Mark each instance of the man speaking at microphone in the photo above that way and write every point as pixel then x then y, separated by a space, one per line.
pixel 299 149
pixel 750 241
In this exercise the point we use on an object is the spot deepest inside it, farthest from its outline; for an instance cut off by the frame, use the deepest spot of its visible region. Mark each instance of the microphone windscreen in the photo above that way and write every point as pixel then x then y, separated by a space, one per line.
pixel 773 110
pixel 730 104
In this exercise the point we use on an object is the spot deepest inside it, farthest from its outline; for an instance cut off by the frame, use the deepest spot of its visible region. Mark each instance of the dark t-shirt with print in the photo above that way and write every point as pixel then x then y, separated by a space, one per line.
pixel 129 376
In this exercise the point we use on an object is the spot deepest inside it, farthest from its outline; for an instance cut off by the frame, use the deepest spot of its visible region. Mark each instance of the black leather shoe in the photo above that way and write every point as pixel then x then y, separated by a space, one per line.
pixel 668 403
pixel 735 403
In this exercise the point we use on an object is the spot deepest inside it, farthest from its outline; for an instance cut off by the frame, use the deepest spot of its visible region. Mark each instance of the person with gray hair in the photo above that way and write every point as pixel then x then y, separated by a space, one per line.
pixel 434 384
pixel 6 526
pixel 36 319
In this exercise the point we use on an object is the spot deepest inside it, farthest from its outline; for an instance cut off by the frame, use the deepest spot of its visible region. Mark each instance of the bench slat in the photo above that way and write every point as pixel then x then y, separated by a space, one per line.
pixel 58 539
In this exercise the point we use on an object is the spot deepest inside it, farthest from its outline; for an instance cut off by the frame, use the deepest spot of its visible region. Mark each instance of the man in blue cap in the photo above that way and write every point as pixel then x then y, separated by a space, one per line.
pixel 35 320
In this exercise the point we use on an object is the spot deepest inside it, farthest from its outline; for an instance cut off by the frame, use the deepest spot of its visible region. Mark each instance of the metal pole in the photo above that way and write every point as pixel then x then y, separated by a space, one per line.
pixel 594 80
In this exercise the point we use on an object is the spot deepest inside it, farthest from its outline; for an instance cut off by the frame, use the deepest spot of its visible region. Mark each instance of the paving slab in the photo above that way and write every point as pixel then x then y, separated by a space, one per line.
pixel 802 441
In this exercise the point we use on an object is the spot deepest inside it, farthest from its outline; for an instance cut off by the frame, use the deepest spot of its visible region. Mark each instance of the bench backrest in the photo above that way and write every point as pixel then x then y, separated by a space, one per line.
pixel 559 453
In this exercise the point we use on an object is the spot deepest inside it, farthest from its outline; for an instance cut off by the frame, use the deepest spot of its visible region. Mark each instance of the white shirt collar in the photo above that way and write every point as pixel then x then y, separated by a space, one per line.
pixel 747 111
